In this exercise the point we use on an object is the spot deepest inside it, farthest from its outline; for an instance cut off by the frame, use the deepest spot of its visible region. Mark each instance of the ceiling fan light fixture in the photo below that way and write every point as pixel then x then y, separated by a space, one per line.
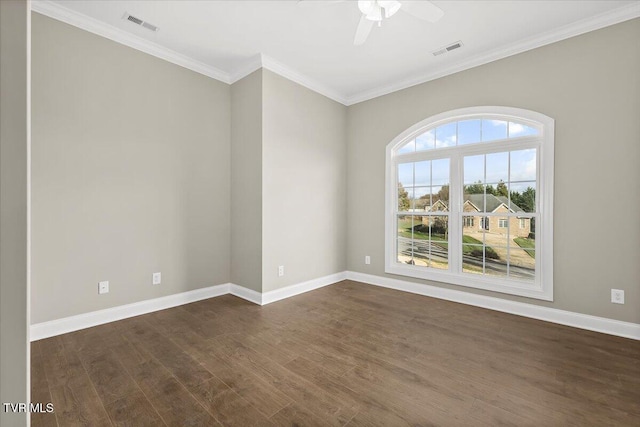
pixel 390 7
pixel 370 9
pixel 365 6
pixel 375 11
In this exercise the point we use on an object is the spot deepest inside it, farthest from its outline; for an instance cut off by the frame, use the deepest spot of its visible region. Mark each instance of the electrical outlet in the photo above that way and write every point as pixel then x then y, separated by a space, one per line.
pixel 157 278
pixel 367 260
pixel 103 287
pixel 617 296
pixel 281 271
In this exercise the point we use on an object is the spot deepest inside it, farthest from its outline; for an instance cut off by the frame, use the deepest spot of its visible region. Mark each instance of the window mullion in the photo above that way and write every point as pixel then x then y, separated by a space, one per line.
pixel 455 207
pixel 501 247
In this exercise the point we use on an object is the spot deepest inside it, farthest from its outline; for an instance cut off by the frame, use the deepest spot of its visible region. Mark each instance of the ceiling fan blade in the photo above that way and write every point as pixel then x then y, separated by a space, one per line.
pixel 424 10
pixel 364 28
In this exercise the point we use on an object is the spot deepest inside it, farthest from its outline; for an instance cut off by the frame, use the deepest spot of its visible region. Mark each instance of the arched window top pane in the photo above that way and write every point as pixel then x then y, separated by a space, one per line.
pixel 518 129
pixel 425 141
pixel 409 147
pixel 470 130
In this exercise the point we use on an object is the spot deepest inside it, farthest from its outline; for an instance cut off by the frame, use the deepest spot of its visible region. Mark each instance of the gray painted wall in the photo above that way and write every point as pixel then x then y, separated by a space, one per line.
pixel 304 175
pixel 246 181
pixel 143 166
pixel 131 174
pixel 14 124
pixel 593 92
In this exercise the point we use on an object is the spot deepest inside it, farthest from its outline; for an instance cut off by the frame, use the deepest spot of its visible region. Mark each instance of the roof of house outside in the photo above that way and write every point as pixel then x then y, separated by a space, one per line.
pixel 493 202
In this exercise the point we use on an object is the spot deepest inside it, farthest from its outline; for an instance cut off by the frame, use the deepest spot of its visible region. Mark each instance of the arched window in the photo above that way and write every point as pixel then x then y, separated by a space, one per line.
pixel 469 201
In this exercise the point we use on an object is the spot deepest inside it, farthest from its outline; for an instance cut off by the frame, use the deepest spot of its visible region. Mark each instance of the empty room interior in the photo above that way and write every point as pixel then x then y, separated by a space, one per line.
pixel 320 213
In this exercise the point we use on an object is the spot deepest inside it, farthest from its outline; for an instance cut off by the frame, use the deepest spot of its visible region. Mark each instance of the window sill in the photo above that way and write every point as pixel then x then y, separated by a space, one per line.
pixel 495 284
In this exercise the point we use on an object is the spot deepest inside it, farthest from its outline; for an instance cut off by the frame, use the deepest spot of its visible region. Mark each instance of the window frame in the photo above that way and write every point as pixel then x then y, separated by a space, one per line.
pixel 542 286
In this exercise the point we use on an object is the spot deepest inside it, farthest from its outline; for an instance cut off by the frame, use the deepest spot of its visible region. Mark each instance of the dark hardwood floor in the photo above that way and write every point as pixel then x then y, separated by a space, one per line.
pixel 347 354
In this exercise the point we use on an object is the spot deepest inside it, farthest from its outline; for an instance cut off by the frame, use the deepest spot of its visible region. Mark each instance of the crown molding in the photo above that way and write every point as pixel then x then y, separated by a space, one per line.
pixel 251 65
pixel 61 13
pixel 291 74
pixel 87 23
pixel 597 22
pixel 268 63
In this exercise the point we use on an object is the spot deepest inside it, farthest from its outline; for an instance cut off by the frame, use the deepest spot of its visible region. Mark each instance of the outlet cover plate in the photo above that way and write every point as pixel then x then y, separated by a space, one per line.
pixel 157 278
pixel 617 296
pixel 103 287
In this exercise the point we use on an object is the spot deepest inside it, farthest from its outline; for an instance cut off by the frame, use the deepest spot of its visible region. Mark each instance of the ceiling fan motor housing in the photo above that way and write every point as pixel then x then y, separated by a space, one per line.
pixel 373 9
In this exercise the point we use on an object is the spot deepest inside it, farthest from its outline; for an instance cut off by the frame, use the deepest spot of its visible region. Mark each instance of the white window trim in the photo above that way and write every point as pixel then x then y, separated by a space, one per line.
pixel 542 287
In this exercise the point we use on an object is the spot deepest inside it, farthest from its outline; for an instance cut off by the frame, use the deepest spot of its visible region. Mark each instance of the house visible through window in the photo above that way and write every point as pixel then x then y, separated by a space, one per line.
pixel 464 189
pixel 484 223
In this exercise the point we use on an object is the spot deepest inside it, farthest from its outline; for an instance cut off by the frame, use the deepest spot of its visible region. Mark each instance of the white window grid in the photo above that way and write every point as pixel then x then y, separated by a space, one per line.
pixel 542 287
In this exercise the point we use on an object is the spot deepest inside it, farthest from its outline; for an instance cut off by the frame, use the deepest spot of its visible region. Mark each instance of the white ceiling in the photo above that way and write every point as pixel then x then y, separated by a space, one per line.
pixel 311 42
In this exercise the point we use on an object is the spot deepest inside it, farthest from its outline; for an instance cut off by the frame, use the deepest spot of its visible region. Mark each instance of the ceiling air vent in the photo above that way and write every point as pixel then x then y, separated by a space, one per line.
pixel 140 22
pixel 449 48
pixel 446 49
pixel 149 26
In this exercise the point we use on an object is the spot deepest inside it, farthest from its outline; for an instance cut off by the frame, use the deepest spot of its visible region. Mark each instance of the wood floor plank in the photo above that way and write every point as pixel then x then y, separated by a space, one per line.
pixel 59 366
pixel 327 381
pixel 347 354
pixel 77 403
pixel 297 415
pixel 43 419
pixel 184 367
pixel 40 391
pixel 383 416
pixel 528 409
pixel 278 354
pixel 491 415
pixel 92 342
pixel 191 343
pixel 171 399
pixel 246 382
pixel 227 406
pixel 109 377
pixel 306 393
pixel 39 384
pixel 130 354
pixel 134 410
pixel 398 403
pixel 171 322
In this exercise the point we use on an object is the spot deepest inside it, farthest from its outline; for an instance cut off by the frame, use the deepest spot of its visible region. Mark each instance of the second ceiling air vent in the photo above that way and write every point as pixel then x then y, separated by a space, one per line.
pixel 140 22
pixel 449 48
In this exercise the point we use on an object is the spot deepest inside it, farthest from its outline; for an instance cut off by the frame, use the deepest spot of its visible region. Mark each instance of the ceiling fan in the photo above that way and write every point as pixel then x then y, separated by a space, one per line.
pixel 378 10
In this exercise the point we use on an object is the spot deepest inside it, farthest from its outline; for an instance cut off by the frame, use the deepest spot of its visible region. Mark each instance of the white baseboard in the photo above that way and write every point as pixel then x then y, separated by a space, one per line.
pixel 52 328
pixel 94 318
pixel 300 288
pixel 246 293
pixel 286 292
pixel 577 320
pixel 554 315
